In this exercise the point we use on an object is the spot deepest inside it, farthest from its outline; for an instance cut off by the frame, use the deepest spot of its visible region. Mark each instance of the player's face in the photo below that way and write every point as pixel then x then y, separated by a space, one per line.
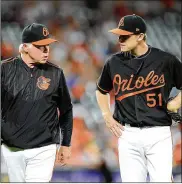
pixel 128 42
pixel 40 54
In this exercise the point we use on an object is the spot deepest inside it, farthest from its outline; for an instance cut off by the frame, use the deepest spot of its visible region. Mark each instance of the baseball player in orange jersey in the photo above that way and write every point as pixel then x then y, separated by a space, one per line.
pixel 142 77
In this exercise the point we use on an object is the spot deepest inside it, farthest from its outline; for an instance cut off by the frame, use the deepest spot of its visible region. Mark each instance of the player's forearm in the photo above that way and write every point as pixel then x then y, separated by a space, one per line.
pixel 66 125
pixel 103 102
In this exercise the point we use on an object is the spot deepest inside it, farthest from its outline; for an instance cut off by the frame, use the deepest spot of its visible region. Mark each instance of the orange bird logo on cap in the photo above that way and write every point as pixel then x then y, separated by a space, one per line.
pixel 121 22
pixel 43 83
pixel 45 31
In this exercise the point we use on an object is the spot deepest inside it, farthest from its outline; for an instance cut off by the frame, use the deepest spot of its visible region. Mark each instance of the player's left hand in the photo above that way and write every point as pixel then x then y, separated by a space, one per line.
pixel 63 155
pixel 172 108
pixel 174 104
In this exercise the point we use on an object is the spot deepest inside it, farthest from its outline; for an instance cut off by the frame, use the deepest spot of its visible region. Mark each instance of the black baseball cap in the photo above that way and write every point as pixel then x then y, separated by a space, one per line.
pixel 130 24
pixel 36 34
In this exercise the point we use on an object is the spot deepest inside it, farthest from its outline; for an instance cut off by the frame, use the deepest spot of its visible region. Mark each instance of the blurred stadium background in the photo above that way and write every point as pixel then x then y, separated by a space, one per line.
pixel 84 44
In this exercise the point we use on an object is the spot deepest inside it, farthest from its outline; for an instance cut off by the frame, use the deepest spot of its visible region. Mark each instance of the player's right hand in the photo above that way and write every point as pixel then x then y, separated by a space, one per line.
pixel 115 127
pixel 63 155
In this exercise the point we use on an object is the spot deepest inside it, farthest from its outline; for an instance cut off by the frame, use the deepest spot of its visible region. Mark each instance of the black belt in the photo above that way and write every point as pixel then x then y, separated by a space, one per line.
pixel 124 120
pixel 139 125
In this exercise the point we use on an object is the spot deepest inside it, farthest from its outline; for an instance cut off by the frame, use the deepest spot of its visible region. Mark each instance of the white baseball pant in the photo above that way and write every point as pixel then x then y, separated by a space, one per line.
pixel 30 165
pixel 146 150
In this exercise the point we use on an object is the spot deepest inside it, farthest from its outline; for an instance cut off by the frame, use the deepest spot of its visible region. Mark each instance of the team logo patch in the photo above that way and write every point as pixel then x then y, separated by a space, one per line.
pixel 43 83
pixel 121 22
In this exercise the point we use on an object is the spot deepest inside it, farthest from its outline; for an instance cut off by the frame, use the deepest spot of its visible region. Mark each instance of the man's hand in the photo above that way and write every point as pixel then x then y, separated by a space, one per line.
pixel 172 108
pixel 63 155
pixel 174 104
pixel 115 127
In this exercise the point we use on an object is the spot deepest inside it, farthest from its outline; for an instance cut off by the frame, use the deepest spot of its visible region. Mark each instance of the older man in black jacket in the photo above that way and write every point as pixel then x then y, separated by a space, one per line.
pixel 32 92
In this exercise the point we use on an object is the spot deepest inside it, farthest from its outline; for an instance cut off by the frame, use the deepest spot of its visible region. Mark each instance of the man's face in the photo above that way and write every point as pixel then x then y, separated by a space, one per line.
pixel 128 42
pixel 39 54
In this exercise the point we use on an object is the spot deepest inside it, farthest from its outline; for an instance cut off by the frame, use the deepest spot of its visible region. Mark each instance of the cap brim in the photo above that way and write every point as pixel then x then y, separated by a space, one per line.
pixel 46 41
pixel 120 31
